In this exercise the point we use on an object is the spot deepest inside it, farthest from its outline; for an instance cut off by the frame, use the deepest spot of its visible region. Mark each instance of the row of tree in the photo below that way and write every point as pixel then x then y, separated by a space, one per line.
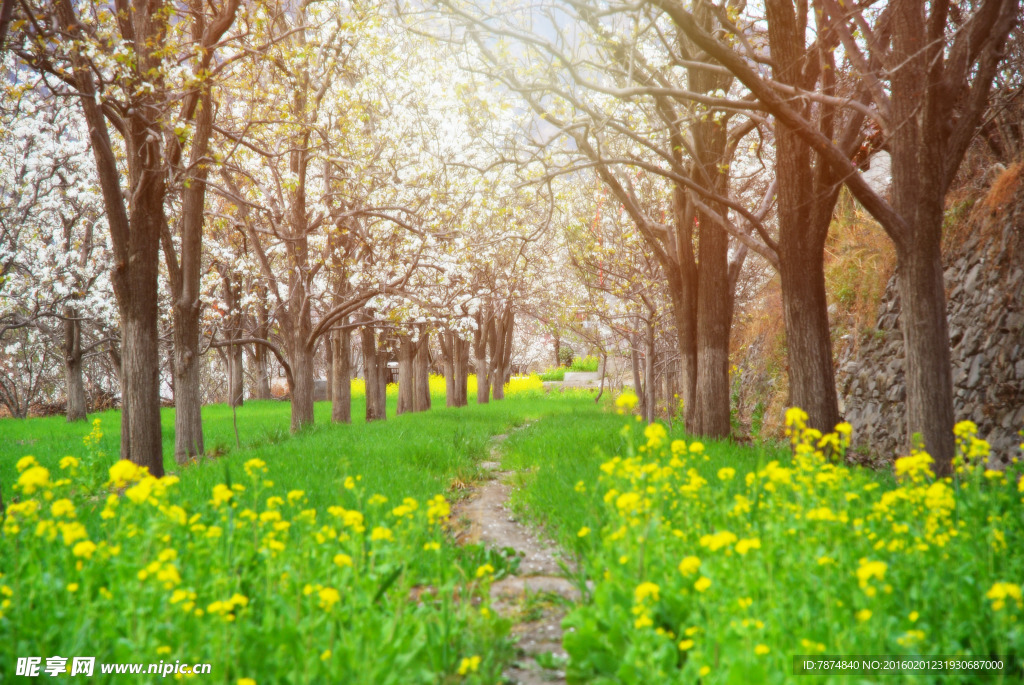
pixel 271 177
pixel 725 129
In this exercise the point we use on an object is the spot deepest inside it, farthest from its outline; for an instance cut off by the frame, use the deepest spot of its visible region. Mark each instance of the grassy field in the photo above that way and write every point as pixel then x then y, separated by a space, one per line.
pixel 294 556
pixel 288 558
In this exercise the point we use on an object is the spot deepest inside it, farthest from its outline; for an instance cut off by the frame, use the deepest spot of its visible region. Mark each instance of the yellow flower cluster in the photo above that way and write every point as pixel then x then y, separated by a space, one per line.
pixel 837 542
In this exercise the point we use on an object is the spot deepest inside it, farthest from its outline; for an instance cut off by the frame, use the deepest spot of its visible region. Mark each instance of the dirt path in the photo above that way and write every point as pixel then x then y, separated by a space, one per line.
pixel 531 598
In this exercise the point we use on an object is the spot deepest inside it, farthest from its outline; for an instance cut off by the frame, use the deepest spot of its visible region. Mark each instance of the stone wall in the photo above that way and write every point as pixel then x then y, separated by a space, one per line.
pixel 985 305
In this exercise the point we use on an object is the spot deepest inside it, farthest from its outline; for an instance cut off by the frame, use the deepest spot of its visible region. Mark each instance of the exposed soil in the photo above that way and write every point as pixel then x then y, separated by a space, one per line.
pixel 536 596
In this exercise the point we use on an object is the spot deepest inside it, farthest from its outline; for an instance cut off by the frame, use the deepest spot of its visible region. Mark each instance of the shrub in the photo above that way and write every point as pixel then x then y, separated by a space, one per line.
pixel 555 374
pixel 589 363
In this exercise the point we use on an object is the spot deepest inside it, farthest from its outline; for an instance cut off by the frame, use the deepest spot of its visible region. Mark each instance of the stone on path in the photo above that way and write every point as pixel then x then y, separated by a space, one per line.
pixel 486 519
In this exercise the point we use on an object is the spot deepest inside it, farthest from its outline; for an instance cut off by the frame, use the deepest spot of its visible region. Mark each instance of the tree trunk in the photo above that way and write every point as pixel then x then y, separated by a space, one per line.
pixel 448 360
pixel 502 326
pixel 558 351
pixel 329 358
pixel 483 385
pixel 260 354
pixel 76 400
pixel 383 378
pixel 141 440
pixel 714 319
pixel 650 386
pixel 460 350
pixel 371 376
pixel 341 375
pixel 303 385
pixel 421 373
pixel 237 390
pixel 638 386
pixel 808 341
pixel 406 379
pixel 928 374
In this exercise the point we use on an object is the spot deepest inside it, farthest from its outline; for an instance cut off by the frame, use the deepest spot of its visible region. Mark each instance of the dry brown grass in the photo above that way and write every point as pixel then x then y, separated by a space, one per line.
pixel 1004 188
pixel 859 260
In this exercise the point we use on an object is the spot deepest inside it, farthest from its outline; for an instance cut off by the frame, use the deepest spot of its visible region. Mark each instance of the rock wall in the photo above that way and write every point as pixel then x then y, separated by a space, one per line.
pixel 985 305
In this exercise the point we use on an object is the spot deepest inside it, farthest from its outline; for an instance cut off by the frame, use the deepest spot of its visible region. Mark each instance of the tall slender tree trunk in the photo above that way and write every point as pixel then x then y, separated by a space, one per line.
pixel 341 373
pixel 808 340
pixel 421 373
pixel 483 380
pixel 926 342
pixel 371 376
pixel 460 349
pixel 260 355
pixel 448 360
pixel 383 378
pixel 650 386
pixel 76 401
pixel 141 439
pixel 236 394
pixel 406 378
pixel 499 352
pixel 714 321
pixel 303 384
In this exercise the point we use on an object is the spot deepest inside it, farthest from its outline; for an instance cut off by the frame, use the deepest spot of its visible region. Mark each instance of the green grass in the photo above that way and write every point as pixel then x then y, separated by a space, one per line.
pixel 58 597
pixel 555 453
pixel 413 455
pixel 554 374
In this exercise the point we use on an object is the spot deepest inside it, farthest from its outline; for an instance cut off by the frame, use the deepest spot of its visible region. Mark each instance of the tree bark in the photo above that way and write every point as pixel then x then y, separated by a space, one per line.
pixel 483 385
pixel 406 378
pixel 926 341
pixel 448 360
pixel 421 373
pixel 714 321
pixel 76 401
pixel 341 373
pixel 650 386
pixel 302 385
pixel 460 350
pixel 260 355
pixel 371 376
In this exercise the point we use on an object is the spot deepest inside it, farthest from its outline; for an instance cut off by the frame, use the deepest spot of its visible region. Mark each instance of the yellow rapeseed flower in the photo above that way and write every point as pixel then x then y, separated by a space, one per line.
pixel 381 533
pixel 685 645
pixel 627 400
pixel 645 590
pixel 726 473
pixel 342 560
pixel 62 507
pixel 702 584
pixel 689 566
pixel 863 615
pixel 717 541
pixel 68 462
pixel 84 549
pixel 484 570
pixel 33 478
pixel 1000 592
pixel 761 650
pixel 221 494
pixel 26 463
pixel 747 544
pixel 469 665
pixel 583 532
pixel 124 472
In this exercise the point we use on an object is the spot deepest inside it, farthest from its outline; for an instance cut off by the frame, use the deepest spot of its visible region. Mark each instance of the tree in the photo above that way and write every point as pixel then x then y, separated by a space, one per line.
pixel 928 72
pixel 633 118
